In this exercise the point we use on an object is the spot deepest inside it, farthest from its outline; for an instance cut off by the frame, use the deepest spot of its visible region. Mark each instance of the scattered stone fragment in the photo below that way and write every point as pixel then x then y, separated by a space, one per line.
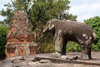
pixel 16 61
pixel 44 61
pixel 15 58
pixel 29 57
pixel 64 57
pixel 74 58
pixel 21 63
pixel 33 64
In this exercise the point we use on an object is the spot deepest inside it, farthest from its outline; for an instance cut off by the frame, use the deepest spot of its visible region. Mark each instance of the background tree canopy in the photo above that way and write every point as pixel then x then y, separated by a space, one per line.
pixel 94 23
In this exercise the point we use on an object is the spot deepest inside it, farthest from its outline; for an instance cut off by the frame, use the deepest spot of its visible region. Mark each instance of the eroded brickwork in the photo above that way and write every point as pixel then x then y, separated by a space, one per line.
pixel 20 40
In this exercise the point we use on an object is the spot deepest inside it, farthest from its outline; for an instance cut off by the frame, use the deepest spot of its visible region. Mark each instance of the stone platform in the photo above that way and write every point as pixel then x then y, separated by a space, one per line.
pixel 46 60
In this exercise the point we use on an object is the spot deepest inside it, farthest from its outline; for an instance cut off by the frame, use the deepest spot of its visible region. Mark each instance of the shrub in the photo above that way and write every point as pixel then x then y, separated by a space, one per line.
pixel 3 40
pixel 73 46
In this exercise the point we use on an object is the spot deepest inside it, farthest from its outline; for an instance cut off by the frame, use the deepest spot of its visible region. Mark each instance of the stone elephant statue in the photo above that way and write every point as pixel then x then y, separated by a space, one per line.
pixel 71 31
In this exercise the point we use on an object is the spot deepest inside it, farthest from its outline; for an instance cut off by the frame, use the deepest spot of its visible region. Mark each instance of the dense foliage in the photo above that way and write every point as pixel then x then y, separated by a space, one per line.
pixel 94 23
pixel 3 31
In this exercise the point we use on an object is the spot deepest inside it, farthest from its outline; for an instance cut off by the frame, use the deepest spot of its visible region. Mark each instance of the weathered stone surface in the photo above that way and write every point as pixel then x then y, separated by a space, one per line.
pixel 37 64
pixel 17 61
pixel 6 65
pixel 23 66
pixel 0 62
pixel 44 61
pixel 46 65
pixel 25 61
pixel 20 63
pixel 7 61
pixel 21 50
pixel 33 49
pixel 29 58
pixel 20 40
pixel 10 52
pixel 79 65
pixel 15 58
pixel 63 65
pixel 33 63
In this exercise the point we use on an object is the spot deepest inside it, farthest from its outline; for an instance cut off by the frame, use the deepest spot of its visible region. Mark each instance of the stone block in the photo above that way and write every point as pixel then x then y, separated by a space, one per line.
pixel 32 50
pixel 6 65
pixel 20 63
pixel 29 58
pixel 7 60
pixel 46 65
pixel 13 59
pixel 21 51
pixel 30 38
pixel 44 61
pixel 10 52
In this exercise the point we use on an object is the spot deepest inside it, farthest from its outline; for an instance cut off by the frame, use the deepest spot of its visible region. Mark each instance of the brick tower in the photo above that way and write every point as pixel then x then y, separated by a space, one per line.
pixel 20 40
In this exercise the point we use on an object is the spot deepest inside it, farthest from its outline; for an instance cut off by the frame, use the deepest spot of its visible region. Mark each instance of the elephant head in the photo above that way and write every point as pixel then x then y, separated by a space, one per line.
pixel 49 25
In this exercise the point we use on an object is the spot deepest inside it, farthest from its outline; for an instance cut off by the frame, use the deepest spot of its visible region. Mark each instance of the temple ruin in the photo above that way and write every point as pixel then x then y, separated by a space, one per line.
pixel 20 40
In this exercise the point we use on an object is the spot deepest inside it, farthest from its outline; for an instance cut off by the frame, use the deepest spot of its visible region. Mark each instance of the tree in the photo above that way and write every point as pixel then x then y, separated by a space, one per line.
pixel 8 14
pixel 1 23
pixel 94 23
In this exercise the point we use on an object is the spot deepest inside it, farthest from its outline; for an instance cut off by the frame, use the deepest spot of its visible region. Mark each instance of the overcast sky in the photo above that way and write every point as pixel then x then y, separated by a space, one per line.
pixel 84 9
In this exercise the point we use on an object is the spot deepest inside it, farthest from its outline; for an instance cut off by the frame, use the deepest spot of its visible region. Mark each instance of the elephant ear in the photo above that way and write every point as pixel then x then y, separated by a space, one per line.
pixel 51 26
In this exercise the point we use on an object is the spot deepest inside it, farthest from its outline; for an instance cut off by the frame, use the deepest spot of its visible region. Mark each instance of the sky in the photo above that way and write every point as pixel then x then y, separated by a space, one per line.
pixel 2 2
pixel 84 9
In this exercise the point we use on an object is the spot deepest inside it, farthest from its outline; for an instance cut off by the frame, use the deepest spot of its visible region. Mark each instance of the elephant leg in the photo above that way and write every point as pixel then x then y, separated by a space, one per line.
pixel 58 45
pixel 86 49
pixel 63 53
pixel 63 48
pixel 86 52
pixel 89 52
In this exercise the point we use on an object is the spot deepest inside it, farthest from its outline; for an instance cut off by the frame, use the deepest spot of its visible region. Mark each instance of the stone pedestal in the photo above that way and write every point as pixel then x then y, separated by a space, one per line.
pixel 20 41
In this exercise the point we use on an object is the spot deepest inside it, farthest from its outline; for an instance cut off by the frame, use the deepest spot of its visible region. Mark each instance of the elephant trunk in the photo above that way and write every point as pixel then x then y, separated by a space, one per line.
pixel 45 29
